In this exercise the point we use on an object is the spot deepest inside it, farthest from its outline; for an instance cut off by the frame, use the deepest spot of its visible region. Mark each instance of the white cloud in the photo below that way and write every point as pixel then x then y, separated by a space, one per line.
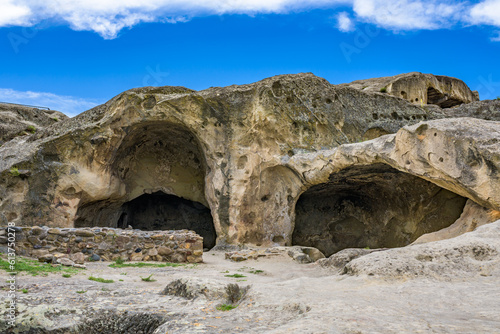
pixel 109 17
pixel 344 22
pixel 14 14
pixel 68 105
pixel 487 12
pixel 409 14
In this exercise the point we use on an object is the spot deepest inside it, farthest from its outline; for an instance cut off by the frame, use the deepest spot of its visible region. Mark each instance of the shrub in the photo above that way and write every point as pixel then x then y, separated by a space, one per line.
pixel 14 171
pixel 225 307
pixel 148 279
pixel 100 280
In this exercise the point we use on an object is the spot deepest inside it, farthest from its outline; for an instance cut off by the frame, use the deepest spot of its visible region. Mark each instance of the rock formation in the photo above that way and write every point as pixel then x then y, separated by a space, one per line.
pixel 419 88
pixel 288 160
pixel 19 120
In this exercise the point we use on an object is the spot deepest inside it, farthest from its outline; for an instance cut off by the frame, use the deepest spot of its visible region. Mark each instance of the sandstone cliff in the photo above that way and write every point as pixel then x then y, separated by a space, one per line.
pixel 254 163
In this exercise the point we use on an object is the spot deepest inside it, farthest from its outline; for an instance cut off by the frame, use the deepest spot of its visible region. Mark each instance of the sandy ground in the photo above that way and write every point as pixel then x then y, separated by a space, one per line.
pixel 286 297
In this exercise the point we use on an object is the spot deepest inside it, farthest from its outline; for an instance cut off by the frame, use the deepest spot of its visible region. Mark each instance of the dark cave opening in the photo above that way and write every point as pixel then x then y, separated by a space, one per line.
pixel 444 101
pixel 159 211
pixel 152 212
pixel 372 206
pixel 161 167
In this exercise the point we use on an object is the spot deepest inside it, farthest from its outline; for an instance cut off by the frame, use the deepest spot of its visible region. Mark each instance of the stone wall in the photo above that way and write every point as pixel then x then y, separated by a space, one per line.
pixel 107 244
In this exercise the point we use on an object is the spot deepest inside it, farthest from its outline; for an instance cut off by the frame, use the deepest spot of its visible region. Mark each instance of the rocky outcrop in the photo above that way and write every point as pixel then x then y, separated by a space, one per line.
pixel 419 88
pixel 19 120
pixel 107 244
pixel 471 254
pixel 371 185
pixel 240 162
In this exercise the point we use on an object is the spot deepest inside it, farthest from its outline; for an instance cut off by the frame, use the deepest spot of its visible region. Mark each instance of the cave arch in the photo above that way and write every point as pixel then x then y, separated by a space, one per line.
pixel 373 206
pixel 161 169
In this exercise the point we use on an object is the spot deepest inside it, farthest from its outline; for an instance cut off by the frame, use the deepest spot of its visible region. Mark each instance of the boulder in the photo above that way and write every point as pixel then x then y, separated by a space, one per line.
pixel 78 258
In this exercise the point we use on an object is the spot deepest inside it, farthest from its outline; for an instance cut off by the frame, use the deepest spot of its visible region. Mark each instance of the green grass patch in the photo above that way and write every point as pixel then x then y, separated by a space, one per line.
pixel 383 90
pixel 81 291
pixel 225 307
pixel 66 275
pixel 24 290
pixel 31 129
pixel 258 271
pixel 235 275
pixel 148 279
pixel 144 265
pixel 34 268
pixel 100 280
pixel 14 171
pixel 120 280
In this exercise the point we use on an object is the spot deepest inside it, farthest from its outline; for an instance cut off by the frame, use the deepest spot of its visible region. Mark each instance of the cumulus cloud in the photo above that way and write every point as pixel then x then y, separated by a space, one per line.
pixel 344 22
pixel 109 17
pixel 408 14
pixel 487 12
pixel 14 14
pixel 68 105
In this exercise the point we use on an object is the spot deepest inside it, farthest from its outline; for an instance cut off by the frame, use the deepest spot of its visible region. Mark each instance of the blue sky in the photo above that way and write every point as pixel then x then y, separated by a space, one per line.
pixel 72 57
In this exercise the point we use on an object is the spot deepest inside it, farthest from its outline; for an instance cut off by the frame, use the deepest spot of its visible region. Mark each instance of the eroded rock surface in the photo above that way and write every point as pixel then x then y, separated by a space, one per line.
pixel 18 120
pixel 249 155
pixel 471 254
pixel 420 88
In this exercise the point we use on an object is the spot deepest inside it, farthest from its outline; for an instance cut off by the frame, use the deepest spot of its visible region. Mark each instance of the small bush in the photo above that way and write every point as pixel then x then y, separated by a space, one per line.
pixel 66 275
pixel 148 279
pixel 100 280
pixel 383 90
pixel 31 129
pixel 235 275
pixel 225 307
pixel 258 271
pixel 81 291
pixel 14 171
pixel 24 290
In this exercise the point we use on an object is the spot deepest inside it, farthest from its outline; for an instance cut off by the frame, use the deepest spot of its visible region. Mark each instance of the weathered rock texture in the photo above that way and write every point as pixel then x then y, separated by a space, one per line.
pixel 420 88
pixel 18 120
pixel 247 154
pixel 471 254
pixel 108 244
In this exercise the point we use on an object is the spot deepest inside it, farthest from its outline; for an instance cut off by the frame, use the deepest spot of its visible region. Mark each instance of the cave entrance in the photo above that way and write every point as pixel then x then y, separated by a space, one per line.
pixel 160 211
pixel 372 206
pixel 161 170
pixel 444 101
